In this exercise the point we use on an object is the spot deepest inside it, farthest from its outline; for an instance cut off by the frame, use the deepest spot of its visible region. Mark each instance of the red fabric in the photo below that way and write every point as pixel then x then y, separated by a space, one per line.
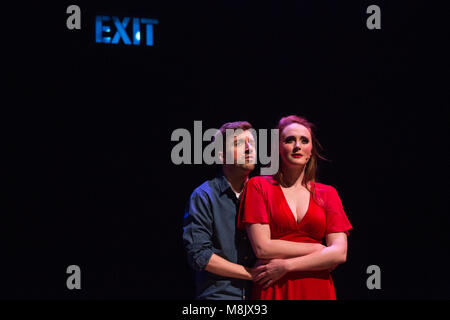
pixel 263 201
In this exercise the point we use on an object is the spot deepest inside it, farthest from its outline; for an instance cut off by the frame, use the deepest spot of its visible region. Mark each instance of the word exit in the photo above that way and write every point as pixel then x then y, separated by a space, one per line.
pixel 112 30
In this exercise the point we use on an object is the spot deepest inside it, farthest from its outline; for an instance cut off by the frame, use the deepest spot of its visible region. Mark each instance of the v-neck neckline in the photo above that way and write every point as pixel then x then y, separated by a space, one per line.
pixel 290 210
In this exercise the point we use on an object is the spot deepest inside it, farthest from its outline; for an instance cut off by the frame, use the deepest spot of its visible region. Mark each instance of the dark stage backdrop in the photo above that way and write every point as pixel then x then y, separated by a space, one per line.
pixel 88 178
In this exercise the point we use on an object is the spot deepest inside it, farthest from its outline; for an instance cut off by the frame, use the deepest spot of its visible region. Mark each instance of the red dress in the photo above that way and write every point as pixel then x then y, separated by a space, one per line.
pixel 263 201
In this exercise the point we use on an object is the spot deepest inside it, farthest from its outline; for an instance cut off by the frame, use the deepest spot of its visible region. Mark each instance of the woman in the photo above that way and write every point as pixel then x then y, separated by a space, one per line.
pixel 288 216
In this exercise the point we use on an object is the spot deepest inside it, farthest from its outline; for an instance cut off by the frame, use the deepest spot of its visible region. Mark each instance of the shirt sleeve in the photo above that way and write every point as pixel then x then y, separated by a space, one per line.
pixel 253 206
pixel 198 231
pixel 337 220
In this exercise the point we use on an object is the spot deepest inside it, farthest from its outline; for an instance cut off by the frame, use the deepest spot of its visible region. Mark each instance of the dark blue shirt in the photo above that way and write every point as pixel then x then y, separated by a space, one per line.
pixel 210 227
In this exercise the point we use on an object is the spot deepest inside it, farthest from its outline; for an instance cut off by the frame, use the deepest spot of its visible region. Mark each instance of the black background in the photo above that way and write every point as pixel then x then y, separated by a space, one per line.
pixel 88 179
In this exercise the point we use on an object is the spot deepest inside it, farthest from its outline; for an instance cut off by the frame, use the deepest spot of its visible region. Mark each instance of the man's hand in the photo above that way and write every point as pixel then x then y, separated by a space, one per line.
pixel 267 272
pixel 257 269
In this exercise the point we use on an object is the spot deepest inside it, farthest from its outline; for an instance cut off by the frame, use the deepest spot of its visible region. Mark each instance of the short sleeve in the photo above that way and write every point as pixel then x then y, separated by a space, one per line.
pixel 253 205
pixel 337 220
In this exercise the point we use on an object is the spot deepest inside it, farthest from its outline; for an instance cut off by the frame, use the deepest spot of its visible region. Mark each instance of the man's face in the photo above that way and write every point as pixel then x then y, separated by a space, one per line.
pixel 242 147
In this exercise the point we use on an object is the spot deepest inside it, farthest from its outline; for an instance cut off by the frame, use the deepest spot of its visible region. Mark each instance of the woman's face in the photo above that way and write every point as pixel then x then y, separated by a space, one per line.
pixel 295 145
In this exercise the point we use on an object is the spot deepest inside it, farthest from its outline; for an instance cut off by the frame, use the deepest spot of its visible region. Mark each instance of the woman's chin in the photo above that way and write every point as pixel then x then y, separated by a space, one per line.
pixel 296 163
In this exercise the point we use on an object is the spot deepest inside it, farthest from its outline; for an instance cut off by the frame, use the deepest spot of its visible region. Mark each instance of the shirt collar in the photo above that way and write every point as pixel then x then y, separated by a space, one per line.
pixel 224 185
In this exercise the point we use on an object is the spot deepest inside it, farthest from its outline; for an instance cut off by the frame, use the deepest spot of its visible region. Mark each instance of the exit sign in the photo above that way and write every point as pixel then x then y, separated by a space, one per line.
pixel 110 29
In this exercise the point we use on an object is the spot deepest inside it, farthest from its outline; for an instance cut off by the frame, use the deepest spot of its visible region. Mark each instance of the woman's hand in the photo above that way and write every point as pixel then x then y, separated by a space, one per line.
pixel 267 272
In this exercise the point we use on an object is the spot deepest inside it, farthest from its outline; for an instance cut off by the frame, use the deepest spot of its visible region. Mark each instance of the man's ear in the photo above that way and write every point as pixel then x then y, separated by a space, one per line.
pixel 220 156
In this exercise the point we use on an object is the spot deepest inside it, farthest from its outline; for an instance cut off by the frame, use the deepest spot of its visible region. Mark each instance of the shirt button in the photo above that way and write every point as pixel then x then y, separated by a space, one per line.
pixel 246 257
pixel 245 238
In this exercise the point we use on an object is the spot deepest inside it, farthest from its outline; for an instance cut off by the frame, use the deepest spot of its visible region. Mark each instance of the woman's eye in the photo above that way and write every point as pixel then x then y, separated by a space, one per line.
pixel 305 141
pixel 289 140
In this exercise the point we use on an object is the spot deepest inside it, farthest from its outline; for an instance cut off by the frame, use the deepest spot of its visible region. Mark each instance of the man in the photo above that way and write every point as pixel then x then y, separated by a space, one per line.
pixel 220 254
